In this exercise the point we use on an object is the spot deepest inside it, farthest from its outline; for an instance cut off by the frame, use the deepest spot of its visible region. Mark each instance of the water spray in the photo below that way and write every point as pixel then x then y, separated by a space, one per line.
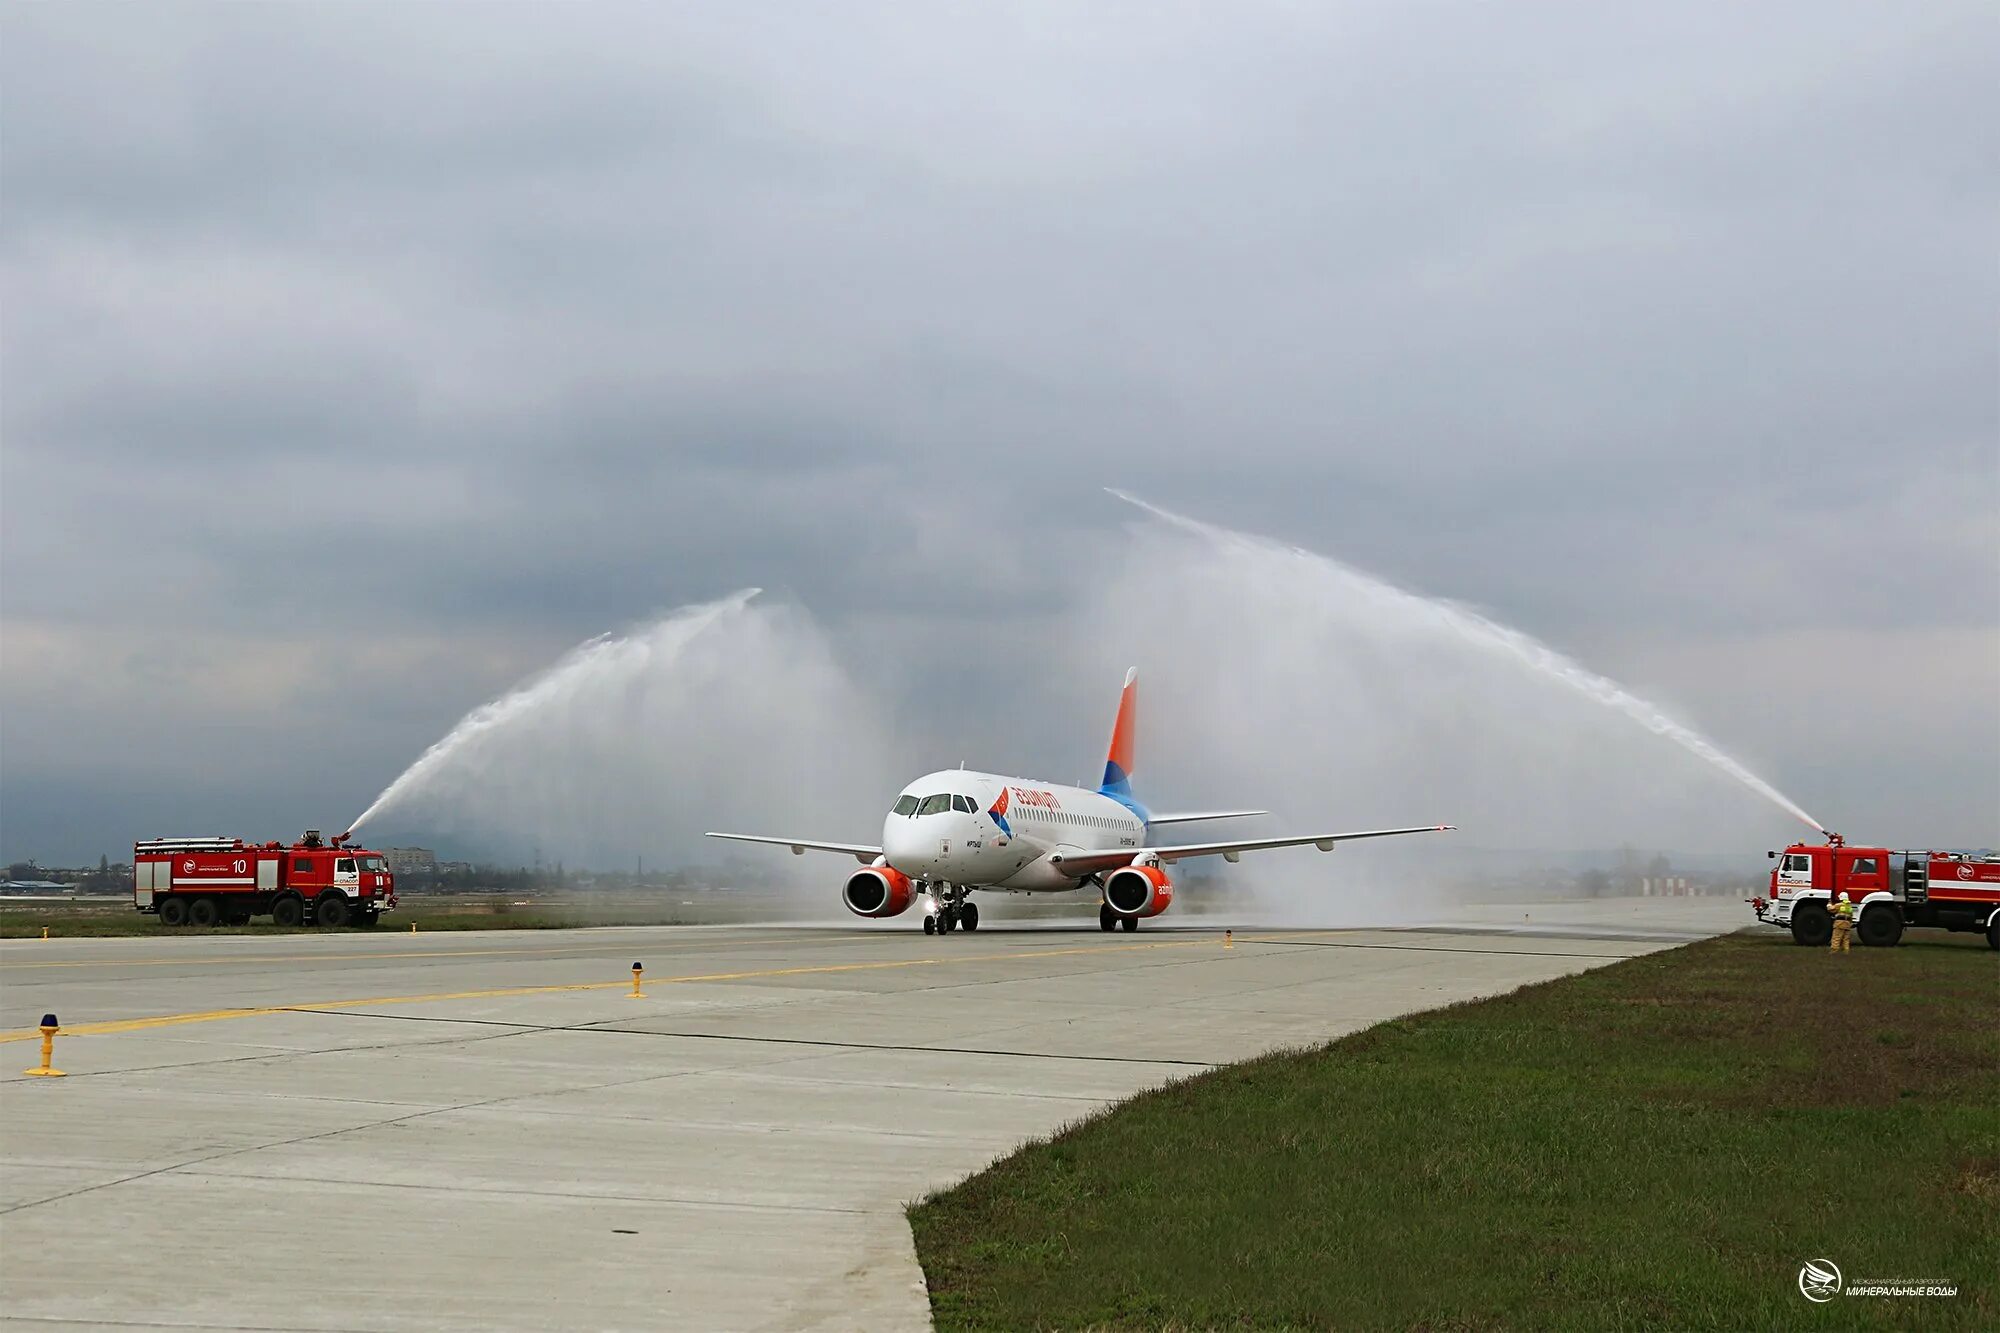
pixel 576 671
pixel 1511 645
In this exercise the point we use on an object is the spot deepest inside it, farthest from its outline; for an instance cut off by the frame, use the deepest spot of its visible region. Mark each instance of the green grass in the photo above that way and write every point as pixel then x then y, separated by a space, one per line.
pixel 1656 1144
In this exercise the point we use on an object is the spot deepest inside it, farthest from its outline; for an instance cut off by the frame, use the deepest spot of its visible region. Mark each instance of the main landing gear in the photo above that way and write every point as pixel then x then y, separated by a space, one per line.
pixel 1108 920
pixel 953 912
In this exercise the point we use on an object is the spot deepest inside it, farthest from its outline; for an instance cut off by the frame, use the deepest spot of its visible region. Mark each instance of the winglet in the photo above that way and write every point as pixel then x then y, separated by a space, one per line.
pixel 1118 762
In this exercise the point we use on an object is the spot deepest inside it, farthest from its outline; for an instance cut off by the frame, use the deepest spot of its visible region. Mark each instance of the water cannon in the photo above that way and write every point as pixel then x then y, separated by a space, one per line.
pixel 339 838
pixel 1833 839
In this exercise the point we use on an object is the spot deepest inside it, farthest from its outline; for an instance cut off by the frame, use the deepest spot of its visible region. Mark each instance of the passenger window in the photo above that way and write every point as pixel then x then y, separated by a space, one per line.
pixel 1797 863
pixel 906 806
pixel 302 865
pixel 1863 865
pixel 345 865
pixel 935 805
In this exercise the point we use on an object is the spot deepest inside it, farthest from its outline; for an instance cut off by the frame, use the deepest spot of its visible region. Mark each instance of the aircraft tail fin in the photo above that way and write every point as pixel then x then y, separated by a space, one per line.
pixel 1118 762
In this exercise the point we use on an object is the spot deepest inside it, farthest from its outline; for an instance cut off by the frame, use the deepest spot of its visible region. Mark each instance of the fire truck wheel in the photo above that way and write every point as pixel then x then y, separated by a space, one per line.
pixel 1881 928
pixel 1811 925
pixel 204 912
pixel 173 911
pixel 236 916
pixel 288 911
pixel 1993 933
pixel 366 918
pixel 331 911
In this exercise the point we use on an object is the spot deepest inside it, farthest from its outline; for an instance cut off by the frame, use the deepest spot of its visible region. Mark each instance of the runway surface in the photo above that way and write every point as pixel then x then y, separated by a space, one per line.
pixel 486 1131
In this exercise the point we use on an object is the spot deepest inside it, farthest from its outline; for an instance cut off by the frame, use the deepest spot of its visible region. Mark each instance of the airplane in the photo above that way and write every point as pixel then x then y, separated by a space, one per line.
pixel 955 831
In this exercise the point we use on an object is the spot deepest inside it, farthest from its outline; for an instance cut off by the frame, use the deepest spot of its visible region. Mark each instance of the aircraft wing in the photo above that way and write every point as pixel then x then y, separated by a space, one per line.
pixel 1203 814
pixel 800 846
pixel 1086 863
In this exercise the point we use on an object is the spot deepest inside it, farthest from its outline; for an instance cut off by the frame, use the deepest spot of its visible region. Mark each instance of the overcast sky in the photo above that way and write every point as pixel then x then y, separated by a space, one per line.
pixel 358 360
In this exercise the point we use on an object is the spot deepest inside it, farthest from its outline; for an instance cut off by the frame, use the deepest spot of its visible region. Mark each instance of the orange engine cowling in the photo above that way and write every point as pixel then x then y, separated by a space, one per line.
pixel 878 891
pixel 1138 891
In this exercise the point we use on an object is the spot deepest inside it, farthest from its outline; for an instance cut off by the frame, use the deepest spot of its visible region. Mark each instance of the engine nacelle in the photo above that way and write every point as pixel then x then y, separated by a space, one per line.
pixel 878 891
pixel 1138 890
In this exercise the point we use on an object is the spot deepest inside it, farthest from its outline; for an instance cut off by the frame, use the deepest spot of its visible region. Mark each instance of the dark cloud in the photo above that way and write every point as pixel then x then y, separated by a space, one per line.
pixel 468 334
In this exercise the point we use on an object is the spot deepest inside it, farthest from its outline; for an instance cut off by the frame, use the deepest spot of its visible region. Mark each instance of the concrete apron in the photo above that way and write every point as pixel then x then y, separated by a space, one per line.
pixel 732 1151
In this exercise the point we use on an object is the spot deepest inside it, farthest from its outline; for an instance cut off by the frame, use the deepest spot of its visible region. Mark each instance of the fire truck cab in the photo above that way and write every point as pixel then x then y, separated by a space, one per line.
pixel 1890 891
pixel 226 881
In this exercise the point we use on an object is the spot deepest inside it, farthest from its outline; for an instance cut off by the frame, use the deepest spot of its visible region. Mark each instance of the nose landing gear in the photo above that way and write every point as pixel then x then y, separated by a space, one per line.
pixel 953 912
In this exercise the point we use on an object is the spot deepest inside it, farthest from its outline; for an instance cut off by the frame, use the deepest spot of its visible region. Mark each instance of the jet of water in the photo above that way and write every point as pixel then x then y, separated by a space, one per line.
pixel 607 654
pixel 1415 615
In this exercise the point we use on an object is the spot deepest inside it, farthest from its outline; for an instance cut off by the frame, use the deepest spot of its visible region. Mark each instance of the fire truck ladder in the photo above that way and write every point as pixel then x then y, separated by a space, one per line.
pixel 1916 878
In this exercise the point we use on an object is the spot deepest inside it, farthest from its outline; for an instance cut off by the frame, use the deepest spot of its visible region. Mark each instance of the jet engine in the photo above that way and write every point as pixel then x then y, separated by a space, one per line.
pixel 878 891
pixel 1138 890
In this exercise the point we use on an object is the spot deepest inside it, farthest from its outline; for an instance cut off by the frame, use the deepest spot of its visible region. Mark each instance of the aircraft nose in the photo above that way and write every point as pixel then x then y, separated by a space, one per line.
pixel 903 842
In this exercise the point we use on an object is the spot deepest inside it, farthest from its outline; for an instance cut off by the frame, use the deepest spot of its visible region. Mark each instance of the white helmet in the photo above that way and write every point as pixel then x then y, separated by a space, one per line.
pixel 1843 895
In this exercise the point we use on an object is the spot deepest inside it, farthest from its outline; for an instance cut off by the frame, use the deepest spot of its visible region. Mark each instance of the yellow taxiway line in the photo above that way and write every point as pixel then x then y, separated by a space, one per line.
pixel 218 1015
pixel 6 967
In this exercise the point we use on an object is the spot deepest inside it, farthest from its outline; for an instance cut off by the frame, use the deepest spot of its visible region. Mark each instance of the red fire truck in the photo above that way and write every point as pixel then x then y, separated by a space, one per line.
pixel 226 881
pixel 1889 889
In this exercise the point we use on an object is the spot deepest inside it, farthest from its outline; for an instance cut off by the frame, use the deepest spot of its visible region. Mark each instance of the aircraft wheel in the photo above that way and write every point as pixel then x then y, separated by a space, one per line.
pixel 969 916
pixel 1106 918
pixel 1131 923
pixel 930 924
pixel 946 920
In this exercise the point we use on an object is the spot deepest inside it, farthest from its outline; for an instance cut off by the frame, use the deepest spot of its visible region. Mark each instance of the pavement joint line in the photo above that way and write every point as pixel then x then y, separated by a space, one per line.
pixel 331 957
pixel 115 1026
pixel 599 1026
pixel 674 1201
pixel 1441 948
pixel 420 1113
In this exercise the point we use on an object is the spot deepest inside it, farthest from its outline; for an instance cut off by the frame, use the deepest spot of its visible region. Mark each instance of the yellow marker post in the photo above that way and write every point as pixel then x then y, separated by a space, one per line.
pixel 636 994
pixel 49 1030
pixel 1229 939
pixel 45 932
pixel 413 927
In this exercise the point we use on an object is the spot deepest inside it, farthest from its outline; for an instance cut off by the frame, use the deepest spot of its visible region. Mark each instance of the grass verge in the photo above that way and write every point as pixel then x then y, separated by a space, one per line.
pixel 1656 1144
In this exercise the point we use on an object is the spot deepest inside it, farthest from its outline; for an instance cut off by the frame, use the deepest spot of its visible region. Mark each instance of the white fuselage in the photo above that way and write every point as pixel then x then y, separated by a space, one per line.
pixel 955 828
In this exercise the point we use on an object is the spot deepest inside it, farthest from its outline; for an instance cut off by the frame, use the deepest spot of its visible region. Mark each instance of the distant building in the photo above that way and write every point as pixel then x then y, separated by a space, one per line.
pixel 416 862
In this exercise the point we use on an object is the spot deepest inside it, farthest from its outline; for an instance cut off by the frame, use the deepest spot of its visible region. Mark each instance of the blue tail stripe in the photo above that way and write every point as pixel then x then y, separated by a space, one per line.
pixel 1118 786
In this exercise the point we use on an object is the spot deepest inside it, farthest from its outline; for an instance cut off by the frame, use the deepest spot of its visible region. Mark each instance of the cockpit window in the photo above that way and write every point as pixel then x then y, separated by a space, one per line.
pixel 964 805
pixel 935 805
pixel 907 805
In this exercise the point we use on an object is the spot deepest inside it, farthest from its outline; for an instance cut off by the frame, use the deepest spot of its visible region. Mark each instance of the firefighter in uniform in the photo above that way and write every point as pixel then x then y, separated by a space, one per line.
pixel 1843 923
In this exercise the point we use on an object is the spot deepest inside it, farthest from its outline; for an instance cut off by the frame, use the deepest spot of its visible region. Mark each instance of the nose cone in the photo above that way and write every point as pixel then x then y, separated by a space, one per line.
pixel 907 844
